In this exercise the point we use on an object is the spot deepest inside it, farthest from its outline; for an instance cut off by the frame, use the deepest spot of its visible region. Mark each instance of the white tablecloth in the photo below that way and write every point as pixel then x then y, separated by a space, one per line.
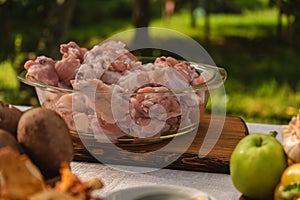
pixel 218 185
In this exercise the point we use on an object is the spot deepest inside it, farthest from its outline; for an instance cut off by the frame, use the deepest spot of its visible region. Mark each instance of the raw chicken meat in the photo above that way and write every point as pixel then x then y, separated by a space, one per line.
pixel 169 61
pixel 75 108
pixel 150 104
pixel 72 50
pixel 66 70
pixel 67 67
pixel 184 68
pixel 43 70
pixel 109 60
pixel 114 95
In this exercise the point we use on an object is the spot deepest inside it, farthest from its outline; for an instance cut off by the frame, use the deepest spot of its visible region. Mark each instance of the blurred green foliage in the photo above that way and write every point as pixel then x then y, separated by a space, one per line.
pixel 262 85
pixel 10 88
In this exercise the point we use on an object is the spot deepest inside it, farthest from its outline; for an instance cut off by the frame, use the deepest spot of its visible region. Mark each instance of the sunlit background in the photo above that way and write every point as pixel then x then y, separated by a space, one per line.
pixel 256 41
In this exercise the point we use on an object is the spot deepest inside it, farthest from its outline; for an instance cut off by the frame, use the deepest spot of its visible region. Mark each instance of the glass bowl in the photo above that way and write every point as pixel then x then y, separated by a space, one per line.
pixel 117 116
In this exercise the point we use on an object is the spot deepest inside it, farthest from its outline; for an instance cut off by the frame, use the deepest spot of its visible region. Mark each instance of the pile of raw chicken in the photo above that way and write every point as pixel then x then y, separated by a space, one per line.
pixel 105 75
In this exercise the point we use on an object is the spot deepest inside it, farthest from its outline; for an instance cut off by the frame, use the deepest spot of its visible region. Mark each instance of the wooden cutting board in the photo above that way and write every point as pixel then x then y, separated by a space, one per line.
pixel 217 160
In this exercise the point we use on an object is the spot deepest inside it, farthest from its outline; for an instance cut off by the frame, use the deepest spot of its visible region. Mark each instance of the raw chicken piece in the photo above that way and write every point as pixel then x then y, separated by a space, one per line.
pixel 72 57
pixel 106 132
pixel 189 73
pixel 104 106
pixel 110 77
pixel 169 61
pixel 184 68
pixel 110 57
pixel 152 74
pixel 87 72
pixel 42 69
pixel 66 70
pixel 100 96
pixel 75 109
pixel 152 110
pixel 103 102
pixel 72 50
pixel 149 96
pixel 198 80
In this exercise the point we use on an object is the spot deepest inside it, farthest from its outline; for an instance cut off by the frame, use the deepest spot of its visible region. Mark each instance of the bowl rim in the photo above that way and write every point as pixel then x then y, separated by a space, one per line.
pixel 138 192
pixel 218 77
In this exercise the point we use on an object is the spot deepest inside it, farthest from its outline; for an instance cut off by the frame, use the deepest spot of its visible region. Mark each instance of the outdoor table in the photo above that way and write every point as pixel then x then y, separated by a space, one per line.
pixel 218 185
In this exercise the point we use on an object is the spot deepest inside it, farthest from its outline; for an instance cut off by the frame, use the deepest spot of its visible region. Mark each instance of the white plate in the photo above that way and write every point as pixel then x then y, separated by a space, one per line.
pixel 159 192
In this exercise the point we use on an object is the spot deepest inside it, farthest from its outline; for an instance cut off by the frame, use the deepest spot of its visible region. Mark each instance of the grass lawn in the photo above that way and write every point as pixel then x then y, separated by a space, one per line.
pixel 250 24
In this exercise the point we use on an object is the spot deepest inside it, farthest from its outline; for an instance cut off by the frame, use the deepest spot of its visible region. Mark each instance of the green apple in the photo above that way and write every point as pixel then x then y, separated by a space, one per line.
pixel 256 165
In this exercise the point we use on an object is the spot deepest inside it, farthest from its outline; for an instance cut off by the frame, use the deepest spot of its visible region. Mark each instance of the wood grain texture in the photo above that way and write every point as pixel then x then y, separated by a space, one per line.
pixel 217 160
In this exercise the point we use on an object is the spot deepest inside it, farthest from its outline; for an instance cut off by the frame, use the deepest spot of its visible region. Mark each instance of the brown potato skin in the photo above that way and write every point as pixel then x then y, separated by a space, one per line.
pixel 8 140
pixel 9 117
pixel 45 137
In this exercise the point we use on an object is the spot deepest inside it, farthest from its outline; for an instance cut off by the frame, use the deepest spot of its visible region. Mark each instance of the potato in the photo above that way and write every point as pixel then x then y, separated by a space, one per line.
pixel 9 117
pixel 8 140
pixel 45 137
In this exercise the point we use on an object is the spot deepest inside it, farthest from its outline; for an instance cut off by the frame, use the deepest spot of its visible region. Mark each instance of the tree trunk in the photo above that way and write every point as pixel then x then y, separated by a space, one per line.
pixel 141 13
pixel 192 13
pixel 296 23
pixel 207 8
pixel 57 25
pixel 6 28
pixel 279 19
pixel 141 19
